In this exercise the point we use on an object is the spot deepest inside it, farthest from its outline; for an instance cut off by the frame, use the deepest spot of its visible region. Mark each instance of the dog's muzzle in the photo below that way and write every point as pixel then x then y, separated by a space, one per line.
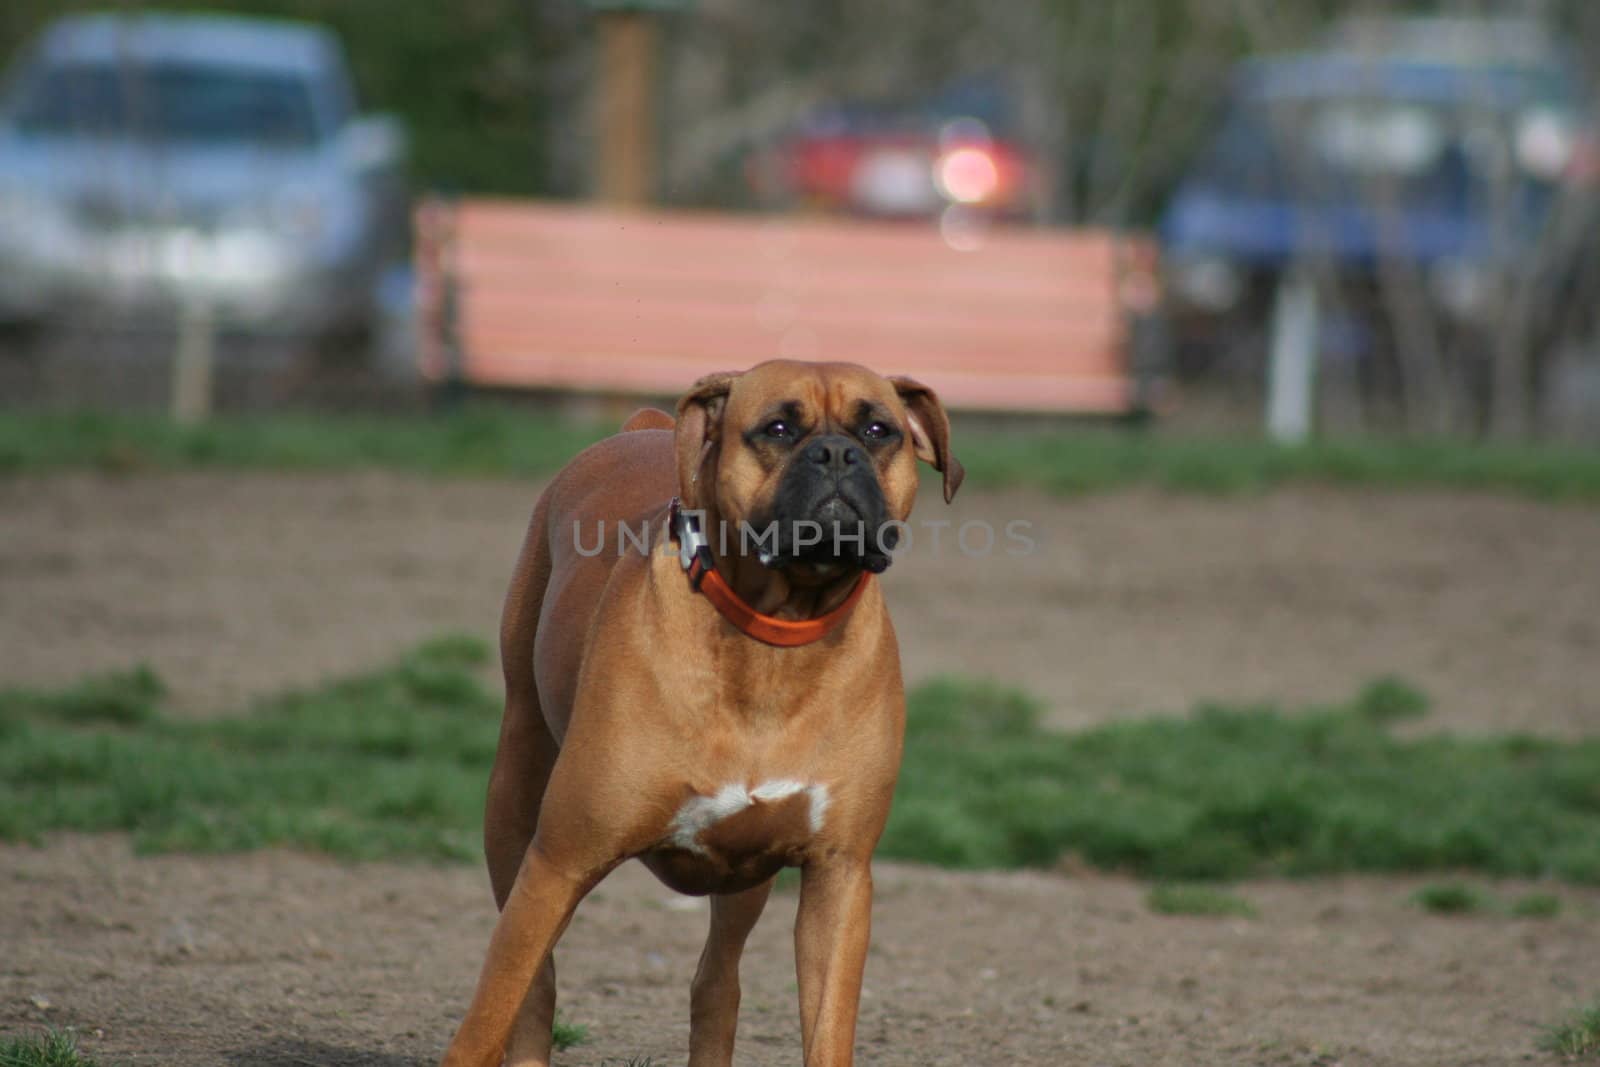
pixel 829 509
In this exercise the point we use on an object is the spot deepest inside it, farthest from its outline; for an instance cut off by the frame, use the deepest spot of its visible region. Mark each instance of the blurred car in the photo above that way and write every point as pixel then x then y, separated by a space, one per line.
pixel 905 160
pixel 149 161
pixel 1459 151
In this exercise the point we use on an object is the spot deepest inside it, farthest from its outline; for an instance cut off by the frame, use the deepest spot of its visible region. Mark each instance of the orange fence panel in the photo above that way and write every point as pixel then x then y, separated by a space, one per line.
pixel 518 294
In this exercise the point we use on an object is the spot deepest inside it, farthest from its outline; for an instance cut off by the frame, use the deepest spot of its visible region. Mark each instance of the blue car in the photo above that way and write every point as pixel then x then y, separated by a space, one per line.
pixel 1445 188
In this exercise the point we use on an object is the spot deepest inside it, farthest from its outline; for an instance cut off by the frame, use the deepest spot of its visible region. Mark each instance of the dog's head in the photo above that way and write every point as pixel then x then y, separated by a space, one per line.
pixel 810 465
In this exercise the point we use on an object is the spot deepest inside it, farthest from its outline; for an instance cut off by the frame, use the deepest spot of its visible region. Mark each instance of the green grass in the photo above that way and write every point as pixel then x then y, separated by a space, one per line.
pixel 53 1048
pixel 1452 898
pixel 1089 461
pixel 1536 906
pixel 1457 898
pixel 486 442
pixel 568 1034
pixel 1176 899
pixel 389 764
pixel 125 698
pixel 392 764
pixel 490 441
pixel 1578 1037
pixel 1229 792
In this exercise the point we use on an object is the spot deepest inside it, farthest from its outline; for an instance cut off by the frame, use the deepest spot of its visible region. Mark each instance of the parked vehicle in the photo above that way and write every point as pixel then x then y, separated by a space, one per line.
pixel 905 160
pixel 1439 169
pixel 152 161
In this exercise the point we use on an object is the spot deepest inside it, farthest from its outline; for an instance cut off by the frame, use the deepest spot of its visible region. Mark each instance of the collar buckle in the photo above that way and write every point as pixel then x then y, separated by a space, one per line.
pixel 692 543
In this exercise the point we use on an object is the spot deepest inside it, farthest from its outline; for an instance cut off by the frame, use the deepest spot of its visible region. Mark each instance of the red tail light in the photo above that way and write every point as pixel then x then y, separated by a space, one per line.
pixel 1583 166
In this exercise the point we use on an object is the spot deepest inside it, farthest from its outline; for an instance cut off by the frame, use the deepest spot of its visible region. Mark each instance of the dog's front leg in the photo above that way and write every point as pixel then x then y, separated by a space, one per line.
pixel 714 996
pixel 536 912
pixel 830 941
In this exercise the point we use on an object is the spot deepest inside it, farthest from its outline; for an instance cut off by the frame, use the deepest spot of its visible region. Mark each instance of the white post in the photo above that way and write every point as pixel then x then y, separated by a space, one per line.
pixel 1292 361
pixel 192 361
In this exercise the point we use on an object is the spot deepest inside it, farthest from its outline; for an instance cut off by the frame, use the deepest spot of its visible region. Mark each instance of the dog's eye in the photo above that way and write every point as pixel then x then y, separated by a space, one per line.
pixel 876 431
pixel 778 428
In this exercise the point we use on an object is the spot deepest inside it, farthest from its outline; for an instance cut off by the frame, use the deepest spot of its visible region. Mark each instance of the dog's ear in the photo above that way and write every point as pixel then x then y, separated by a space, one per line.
pixel 698 430
pixel 930 432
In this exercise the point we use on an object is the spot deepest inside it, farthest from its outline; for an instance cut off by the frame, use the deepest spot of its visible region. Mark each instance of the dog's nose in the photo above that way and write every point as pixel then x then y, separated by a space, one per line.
pixel 833 453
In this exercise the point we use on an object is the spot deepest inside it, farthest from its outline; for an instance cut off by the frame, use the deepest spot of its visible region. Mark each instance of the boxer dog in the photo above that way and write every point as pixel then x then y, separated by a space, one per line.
pixel 719 706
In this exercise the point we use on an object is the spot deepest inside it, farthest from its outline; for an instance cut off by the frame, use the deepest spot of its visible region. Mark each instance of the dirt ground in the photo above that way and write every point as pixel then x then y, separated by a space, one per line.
pixel 279 960
pixel 1134 602
pixel 1130 603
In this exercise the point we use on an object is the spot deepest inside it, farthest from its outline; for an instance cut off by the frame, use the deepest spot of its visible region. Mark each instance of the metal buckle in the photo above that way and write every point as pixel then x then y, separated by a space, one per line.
pixel 691 539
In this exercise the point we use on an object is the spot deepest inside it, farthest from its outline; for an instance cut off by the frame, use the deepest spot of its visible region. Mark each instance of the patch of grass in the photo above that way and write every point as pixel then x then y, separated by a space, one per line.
pixel 470 442
pixel 1452 898
pixel 1536 906
pixel 567 1034
pixel 53 1048
pixel 386 764
pixel 1457 898
pixel 1173 899
pixel 392 763
pixel 1578 1037
pixel 498 441
pixel 1075 462
pixel 125 698
pixel 1227 792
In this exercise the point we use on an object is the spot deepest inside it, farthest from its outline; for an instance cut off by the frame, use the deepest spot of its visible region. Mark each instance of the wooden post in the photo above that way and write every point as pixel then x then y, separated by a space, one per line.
pixel 192 361
pixel 627 114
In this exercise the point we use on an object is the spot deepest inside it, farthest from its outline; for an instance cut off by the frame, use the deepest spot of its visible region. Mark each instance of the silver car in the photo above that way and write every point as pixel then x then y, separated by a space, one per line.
pixel 149 162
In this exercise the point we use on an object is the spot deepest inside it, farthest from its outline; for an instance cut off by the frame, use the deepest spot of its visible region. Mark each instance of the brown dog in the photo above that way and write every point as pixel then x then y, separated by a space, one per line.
pixel 719 709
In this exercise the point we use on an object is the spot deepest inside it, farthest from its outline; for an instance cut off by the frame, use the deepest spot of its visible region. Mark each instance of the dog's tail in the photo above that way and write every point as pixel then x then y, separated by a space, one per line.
pixel 649 419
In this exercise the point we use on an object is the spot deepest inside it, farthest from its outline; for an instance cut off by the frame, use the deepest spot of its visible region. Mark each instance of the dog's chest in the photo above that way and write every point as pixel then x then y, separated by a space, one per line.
pixel 739 835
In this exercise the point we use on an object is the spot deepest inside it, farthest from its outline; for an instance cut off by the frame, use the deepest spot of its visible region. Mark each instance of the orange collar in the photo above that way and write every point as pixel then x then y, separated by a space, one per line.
pixel 694 552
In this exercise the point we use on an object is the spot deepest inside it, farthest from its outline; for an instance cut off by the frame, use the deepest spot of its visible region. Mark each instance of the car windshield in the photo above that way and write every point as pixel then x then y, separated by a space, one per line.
pixel 168 101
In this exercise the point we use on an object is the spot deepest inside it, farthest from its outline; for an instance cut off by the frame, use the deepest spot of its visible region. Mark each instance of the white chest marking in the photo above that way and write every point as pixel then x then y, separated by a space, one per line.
pixel 700 813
